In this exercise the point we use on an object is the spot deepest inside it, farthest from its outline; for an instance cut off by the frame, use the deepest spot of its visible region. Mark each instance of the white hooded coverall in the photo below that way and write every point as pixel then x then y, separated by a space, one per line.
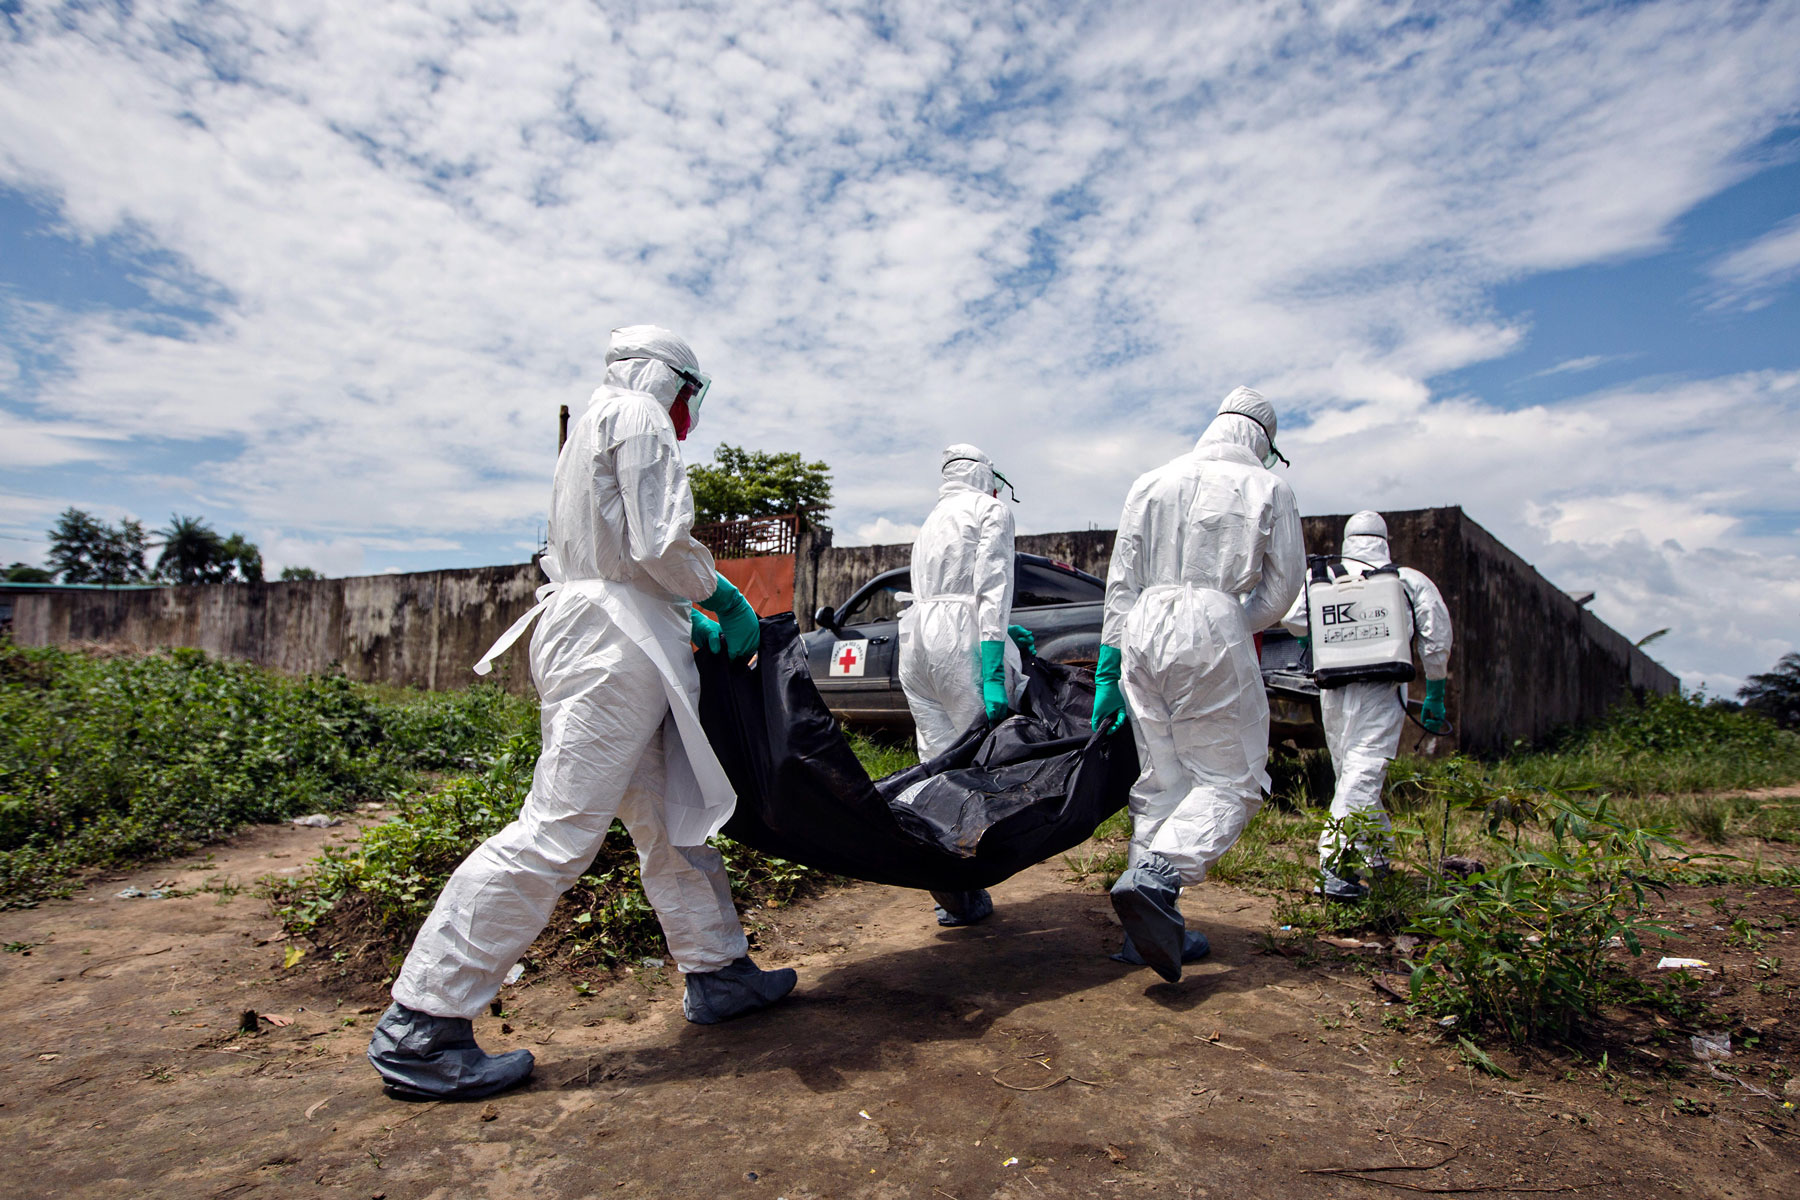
pixel 1209 551
pixel 614 669
pixel 1364 721
pixel 962 583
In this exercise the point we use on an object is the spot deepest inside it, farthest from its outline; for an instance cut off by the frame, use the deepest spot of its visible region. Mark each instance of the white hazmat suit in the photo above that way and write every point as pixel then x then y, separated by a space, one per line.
pixel 615 672
pixel 1209 552
pixel 962 585
pixel 1363 721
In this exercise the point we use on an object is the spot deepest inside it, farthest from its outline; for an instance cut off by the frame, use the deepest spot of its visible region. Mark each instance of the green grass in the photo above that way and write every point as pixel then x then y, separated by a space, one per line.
pixel 1573 838
pixel 1662 746
pixel 1667 760
pixel 106 761
pixel 882 753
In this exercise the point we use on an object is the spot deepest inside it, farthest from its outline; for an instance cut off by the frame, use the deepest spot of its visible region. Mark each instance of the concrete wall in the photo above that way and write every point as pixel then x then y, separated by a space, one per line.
pixel 425 629
pixel 1527 658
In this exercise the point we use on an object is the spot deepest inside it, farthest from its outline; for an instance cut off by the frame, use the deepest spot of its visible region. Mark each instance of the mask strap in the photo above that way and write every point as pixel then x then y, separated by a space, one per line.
pixel 701 382
pixel 1266 434
pixel 1003 480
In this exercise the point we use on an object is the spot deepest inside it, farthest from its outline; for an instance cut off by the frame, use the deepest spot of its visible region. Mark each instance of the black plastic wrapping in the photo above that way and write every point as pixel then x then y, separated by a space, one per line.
pixel 997 802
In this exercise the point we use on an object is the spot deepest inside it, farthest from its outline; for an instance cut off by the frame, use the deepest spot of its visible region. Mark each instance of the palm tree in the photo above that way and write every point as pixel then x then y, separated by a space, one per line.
pixel 192 552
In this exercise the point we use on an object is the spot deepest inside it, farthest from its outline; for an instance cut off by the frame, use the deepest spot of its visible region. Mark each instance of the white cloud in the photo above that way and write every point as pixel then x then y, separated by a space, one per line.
pixel 1057 234
pixel 883 532
pixel 25 442
pixel 1749 275
pixel 1574 366
pixel 1677 503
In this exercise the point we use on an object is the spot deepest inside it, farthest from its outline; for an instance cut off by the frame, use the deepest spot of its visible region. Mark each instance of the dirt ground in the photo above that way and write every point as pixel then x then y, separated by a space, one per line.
pixel 1009 1060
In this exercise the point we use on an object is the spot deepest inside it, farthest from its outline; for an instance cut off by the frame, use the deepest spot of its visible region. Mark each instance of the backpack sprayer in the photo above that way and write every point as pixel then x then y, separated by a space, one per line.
pixel 1362 624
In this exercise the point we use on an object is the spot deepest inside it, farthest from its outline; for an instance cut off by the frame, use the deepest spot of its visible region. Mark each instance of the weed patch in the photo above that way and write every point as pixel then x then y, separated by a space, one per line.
pixel 363 904
pixel 1679 752
pixel 108 761
pixel 1521 947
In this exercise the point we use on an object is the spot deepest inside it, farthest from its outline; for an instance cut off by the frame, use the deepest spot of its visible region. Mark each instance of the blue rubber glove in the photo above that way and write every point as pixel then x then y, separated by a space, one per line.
pixel 1109 701
pixel 704 631
pixel 1431 713
pixel 1023 638
pixel 993 680
pixel 738 626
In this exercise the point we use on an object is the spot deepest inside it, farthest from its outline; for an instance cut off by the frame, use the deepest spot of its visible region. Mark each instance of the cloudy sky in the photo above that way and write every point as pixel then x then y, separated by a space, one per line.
pixel 322 272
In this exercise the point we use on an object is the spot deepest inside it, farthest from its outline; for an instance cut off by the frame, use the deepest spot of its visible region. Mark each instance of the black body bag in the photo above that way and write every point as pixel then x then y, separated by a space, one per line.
pixel 1003 798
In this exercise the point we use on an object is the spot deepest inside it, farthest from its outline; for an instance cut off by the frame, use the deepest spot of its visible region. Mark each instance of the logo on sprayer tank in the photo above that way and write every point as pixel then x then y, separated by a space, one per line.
pixel 1346 614
pixel 1351 625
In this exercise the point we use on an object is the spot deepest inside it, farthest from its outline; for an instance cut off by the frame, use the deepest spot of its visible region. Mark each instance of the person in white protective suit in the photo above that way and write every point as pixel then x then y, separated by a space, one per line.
pixel 614 669
pixel 958 664
pixel 1208 552
pixel 1363 721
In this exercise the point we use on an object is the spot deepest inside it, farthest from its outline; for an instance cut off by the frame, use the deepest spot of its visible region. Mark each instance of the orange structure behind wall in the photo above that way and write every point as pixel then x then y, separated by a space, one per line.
pixel 756 554
pixel 767 581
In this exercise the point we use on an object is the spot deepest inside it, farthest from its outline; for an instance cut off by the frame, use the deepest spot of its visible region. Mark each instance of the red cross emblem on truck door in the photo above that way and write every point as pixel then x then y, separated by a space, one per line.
pixel 848 658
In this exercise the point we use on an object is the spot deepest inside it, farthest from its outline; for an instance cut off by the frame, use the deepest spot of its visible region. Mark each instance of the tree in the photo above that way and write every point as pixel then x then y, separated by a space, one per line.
pixel 1776 694
pixel 193 552
pixel 84 549
pixel 244 553
pixel 300 573
pixel 25 573
pixel 757 483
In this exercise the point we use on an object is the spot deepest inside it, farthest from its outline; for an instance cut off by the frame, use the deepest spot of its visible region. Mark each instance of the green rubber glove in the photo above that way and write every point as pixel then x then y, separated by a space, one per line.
pixel 1431 713
pixel 738 626
pixel 993 679
pixel 704 631
pixel 1023 638
pixel 1109 701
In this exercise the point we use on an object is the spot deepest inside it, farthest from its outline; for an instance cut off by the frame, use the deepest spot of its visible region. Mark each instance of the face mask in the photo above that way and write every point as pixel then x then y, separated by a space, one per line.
pixel 683 418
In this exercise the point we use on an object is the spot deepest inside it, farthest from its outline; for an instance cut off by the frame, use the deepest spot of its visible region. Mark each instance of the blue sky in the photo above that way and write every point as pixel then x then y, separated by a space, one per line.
pixel 322 272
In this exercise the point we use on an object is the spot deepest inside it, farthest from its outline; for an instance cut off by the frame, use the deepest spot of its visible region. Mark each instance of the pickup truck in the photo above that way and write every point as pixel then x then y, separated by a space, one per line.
pixel 853 660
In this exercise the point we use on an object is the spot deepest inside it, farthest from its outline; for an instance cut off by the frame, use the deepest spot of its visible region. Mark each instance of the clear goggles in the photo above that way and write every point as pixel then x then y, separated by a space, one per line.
pixel 700 382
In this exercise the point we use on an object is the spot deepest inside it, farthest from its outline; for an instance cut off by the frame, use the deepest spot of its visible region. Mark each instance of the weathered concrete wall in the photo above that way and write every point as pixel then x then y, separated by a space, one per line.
pixel 1527 659
pixel 1087 550
pixel 425 629
pixel 827 574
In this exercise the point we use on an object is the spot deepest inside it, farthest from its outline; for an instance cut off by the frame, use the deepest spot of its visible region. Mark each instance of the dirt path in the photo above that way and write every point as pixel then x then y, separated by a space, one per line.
pixel 1010 1060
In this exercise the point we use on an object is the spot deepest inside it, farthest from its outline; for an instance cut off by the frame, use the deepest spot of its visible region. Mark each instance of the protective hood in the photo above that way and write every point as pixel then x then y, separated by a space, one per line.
pixel 965 466
pixel 1365 539
pixel 1245 419
pixel 649 358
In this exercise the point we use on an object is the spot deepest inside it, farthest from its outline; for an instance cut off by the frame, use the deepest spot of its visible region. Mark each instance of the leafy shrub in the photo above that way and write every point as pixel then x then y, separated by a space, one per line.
pixel 1521 947
pixel 105 761
pixel 376 894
